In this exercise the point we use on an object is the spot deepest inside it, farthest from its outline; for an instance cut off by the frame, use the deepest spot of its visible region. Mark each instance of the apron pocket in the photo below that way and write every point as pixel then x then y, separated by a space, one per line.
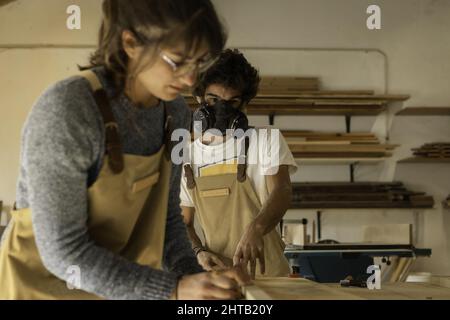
pixel 145 183
pixel 223 192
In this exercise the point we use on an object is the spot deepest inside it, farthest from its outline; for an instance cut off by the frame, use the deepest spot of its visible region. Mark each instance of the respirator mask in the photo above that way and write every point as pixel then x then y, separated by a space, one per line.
pixel 221 116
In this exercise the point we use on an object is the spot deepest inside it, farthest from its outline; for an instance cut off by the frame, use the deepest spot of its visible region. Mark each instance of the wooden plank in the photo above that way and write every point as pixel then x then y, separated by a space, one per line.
pixel 293 289
pixel 311 101
pixel 425 160
pixel 358 195
pixel 282 84
pixel 316 112
pixel 425 111
pixel 310 110
pixel 345 197
pixel 350 97
pixel 339 187
pixel 302 289
pixel 359 205
pixel 316 93
pixel 401 291
pixel 253 292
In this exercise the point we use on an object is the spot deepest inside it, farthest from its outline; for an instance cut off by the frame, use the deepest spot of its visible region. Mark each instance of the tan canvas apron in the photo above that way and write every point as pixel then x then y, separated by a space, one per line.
pixel 127 215
pixel 225 205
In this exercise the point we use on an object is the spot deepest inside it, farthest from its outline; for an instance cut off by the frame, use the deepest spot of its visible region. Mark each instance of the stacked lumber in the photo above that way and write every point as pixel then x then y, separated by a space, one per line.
pixel 306 144
pixel 425 111
pixel 433 150
pixel 358 195
pixel 303 96
pixel 287 85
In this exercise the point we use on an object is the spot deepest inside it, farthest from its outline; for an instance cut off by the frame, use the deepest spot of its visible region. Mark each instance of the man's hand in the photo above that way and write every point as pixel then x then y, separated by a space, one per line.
pixel 251 248
pixel 211 261
pixel 213 285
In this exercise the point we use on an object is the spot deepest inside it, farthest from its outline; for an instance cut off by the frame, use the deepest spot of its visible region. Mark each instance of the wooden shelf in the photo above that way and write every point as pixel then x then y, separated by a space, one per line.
pixel 315 93
pixel 314 111
pixel 339 95
pixel 424 160
pixel 340 161
pixel 318 103
pixel 358 195
pixel 425 111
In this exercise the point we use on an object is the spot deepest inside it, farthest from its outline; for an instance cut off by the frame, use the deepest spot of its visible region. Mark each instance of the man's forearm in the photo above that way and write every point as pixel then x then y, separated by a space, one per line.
pixel 273 209
pixel 195 240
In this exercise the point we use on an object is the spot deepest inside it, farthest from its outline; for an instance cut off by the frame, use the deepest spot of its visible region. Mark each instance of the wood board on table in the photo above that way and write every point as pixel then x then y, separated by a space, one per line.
pixel 302 289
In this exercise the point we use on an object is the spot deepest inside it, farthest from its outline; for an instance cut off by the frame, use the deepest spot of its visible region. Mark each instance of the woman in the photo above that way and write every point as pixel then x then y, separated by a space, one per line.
pixel 98 198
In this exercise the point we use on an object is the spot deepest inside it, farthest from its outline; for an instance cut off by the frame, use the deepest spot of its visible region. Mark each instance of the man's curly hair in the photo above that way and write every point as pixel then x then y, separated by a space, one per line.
pixel 232 70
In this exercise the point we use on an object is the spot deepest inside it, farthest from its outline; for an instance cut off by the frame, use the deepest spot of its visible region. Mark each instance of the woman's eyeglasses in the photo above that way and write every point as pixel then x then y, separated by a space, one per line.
pixel 183 68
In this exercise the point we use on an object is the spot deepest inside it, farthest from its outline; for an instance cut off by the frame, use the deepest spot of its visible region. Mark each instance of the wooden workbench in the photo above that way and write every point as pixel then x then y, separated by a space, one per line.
pixel 302 289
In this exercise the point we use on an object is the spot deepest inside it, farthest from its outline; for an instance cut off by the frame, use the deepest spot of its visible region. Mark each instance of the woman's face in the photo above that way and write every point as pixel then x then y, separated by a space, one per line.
pixel 162 77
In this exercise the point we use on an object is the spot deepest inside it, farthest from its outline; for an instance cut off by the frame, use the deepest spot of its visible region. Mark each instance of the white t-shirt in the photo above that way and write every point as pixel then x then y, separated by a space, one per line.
pixel 267 151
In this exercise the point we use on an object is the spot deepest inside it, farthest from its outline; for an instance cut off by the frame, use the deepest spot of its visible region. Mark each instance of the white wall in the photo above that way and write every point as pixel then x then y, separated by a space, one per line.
pixel 415 39
pixel 413 36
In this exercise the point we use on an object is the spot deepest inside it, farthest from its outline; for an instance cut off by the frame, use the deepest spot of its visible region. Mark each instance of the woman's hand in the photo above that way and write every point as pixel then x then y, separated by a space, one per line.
pixel 222 285
pixel 251 248
pixel 211 261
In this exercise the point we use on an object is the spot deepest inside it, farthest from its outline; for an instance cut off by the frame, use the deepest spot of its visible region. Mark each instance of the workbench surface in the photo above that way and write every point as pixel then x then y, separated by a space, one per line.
pixel 303 289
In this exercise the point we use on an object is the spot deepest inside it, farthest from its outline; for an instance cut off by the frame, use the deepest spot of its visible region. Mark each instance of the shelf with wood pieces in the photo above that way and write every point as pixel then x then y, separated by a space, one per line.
pixel 437 152
pixel 357 195
pixel 303 96
pixel 326 148
pixel 316 104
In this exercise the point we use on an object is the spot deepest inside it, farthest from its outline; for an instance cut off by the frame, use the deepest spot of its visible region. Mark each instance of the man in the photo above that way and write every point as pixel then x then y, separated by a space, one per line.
pixel 237 202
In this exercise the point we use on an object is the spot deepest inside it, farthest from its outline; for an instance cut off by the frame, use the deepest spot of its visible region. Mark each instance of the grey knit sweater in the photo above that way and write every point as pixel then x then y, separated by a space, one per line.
pixel 61 155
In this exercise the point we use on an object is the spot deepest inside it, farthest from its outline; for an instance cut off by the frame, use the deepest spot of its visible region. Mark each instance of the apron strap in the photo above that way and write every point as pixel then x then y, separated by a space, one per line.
pixel 242 167
pixel 168 130
pixel 112 139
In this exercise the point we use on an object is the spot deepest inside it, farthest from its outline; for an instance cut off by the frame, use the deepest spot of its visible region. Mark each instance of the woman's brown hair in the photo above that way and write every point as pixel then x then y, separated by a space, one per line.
pixel 155 23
